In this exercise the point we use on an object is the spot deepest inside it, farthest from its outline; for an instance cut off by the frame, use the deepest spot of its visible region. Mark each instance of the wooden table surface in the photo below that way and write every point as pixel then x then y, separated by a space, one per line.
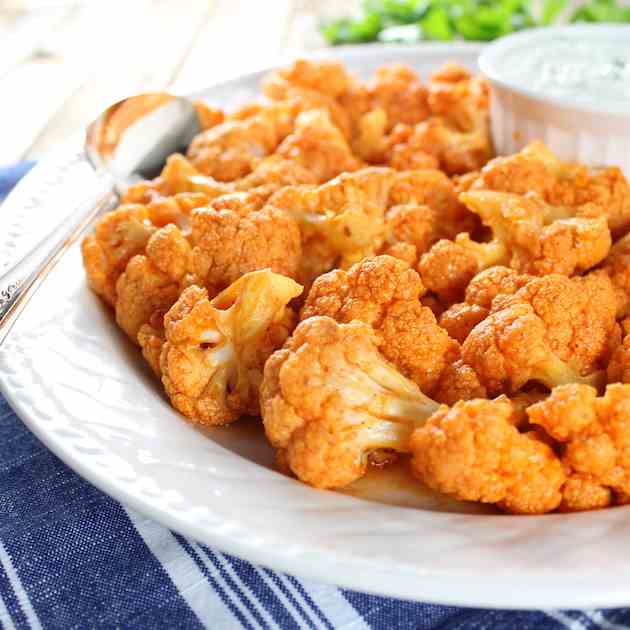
pixel 61 63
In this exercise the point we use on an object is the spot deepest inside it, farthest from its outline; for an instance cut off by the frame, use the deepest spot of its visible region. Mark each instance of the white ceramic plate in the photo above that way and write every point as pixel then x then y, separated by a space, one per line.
pixel 84 390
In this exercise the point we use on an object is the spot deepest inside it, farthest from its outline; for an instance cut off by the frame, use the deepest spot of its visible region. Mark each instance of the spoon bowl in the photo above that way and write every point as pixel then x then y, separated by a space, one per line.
pixel 128 142
pixel 132 139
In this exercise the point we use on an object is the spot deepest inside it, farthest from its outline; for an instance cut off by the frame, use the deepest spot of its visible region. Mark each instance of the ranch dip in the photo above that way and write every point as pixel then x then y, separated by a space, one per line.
pixel 582 66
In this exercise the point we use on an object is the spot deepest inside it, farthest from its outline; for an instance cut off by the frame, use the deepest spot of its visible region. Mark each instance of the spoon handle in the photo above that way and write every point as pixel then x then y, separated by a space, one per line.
pixel 21 281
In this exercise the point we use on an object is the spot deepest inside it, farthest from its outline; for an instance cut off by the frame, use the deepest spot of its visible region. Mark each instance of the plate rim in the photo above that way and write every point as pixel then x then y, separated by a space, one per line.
pixel 367 575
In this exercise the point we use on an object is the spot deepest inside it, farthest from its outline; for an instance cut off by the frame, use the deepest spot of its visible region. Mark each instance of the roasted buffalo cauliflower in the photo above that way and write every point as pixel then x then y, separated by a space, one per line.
pixel 370 211
pixel 118 236
pixel 208 116
pixel 617 266
pixel 311 84
pixel 341 221
pixel 273 173
pixel 385 293
pixel 214 351
pixel 458 381
pixel 448 267
pixel 541 238
pixel 152 282
pixel 235 235
pixel 459 313
pixel 536 169
pixel 180 179
pixel 409 231
pixel 473 452
pixel 398 91
pixel 399 149
pixel 456 133
pixel 178 176
pixel 555 330
pixel 455 151
pixel 151 341
pixel 618 370
pixel 329 399
pixel 461 318
pixel 324 76
pixel 459 97
pixel 595 437
pixel 317 144
pixel 432 188
pixel 529 235
pixel 229 150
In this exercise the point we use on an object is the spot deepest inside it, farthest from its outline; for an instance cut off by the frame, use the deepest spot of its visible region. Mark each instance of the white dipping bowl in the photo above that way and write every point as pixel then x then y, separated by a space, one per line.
pixel 577 122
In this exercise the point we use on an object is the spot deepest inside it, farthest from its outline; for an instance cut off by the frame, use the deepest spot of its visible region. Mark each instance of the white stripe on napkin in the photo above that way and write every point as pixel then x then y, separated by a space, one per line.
pixel 246 591
pixel 236 601
pixel 598 617
pixel 18 589
pixel 281 596
pixel 308 610
pixel 572 624
pixel 184 573
pixel 341 613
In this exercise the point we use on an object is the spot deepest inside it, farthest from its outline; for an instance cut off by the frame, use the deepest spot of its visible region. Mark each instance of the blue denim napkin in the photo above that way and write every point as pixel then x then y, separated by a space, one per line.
pixel 71 557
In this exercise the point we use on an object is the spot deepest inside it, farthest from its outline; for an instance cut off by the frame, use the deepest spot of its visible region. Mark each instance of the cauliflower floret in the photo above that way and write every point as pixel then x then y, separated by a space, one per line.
pixel 555 330
pixel 460 98
pixel 401 152
pixel 317 144
pixel 455 151
pixel 595 434
pixel 618 370
pixel 231 239
pixel 350 217
pixel 151 341
pixel 214 353
pixel 325 76
pixel 152 282
pixel 397 90
pixel 309 84
pixel 341 222
pixel 208 116
pixel 464 183
pixel 462 317
pixel 529 235
pixel 371 141
pixel 329 399
pixel 384 293
pixel 609 189
pixel 179 175
pixel 542 238
pixel 536 169
pixel 448 267
pixel 617 266
pixel 118 237
pixel 473 452
pixel 409 231
pixel 228 151
pixel 498 280
pixel 457 136
pixel 434 189
pixel 273 173
pixel 458 381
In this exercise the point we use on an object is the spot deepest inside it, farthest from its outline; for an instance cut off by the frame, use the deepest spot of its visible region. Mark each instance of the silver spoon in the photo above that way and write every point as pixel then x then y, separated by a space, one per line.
pixel 128 142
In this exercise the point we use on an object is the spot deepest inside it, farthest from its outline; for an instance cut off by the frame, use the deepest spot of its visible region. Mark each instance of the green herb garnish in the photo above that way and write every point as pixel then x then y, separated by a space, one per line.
pixel 411 21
